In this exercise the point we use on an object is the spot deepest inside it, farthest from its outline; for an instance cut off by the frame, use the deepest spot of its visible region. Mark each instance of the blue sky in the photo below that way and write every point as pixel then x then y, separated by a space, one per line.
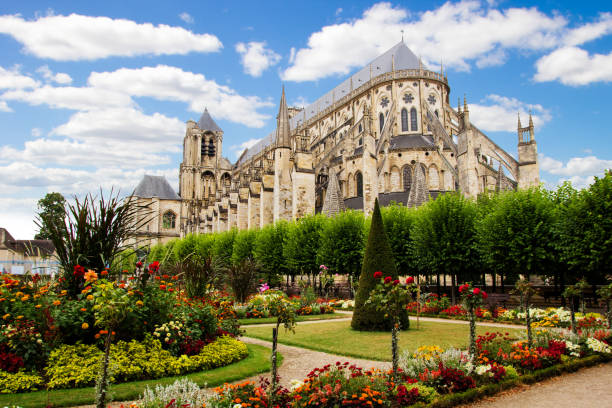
pixel 96 94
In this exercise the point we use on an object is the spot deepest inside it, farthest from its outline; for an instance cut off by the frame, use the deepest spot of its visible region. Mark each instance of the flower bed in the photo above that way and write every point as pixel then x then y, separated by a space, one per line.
pixel 50 332
pixel 258 306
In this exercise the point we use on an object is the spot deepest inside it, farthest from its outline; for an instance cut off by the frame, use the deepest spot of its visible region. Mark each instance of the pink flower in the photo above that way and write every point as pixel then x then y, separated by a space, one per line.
pixel 377 275
pixel 409 280
pixel 323 267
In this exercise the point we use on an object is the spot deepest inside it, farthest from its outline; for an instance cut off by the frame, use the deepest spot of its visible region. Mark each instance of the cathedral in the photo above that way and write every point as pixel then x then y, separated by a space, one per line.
pixel 387 132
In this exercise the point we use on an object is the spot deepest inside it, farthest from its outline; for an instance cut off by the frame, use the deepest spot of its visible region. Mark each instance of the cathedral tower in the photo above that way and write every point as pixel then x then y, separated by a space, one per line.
pixel 528 169
pixel 283 207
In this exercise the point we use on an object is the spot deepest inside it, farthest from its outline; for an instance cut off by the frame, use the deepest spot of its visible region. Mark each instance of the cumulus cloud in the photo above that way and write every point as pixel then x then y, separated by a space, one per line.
pixel 77 37
pixel 499 113
pixel 238 149
pixel 576 166
pixel 13 79
pixel 4 107
pixel 589 31
pixel 574 66
pixel 186 17
pixel 170 83
pixel 458 32
pixel 17 216
pixel 256 58
pixel 69 97
pixel 60 77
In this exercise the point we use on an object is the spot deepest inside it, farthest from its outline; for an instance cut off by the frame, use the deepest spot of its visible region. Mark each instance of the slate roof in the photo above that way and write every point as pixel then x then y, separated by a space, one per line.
pixel 399 54
pixel 206 122
pixel 411 142
pixel 28 247
pixel 155 186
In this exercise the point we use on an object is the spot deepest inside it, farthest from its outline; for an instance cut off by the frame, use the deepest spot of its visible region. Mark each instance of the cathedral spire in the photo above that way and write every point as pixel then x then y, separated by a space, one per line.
pixel 333 203
pixel 283 129
pixel 518 114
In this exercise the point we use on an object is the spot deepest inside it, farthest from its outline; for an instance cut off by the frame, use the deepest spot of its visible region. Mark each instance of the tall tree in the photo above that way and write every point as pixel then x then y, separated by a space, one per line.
pixel 342 243
pixel 516 238
pixel 302 244
pixel 268 251
pixel 398 222
pixel 443 237
pixel 50 207
pixel 378 258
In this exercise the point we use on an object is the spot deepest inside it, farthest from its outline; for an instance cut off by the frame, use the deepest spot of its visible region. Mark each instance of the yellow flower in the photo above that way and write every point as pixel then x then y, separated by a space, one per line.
pixel 38 306
pixel 19 317
pixel 85 326
pixel 6 316
pixel 139 303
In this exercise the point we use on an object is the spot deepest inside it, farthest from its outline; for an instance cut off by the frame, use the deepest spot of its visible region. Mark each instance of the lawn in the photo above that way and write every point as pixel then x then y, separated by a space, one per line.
pixel 338 338
pixel 266 320
pixel 258 361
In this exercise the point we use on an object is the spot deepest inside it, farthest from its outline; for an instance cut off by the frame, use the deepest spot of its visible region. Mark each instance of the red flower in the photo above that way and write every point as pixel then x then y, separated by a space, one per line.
pixel 396 282
pixel 79 271
pixel 388 279
pixel 484 294
pixel 409 280
pixel 377 275
pixel 463 287
pixel 476 291
pixel 139 264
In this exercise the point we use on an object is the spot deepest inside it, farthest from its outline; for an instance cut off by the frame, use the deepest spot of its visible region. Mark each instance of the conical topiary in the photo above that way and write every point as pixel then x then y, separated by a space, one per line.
pixel 378 257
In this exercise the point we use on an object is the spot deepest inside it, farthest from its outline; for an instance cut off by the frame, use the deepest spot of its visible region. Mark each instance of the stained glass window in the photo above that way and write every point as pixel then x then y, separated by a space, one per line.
pixel 404 120
pixel 431 99
pixel 413 120
pixel 384 102
pixel 408 98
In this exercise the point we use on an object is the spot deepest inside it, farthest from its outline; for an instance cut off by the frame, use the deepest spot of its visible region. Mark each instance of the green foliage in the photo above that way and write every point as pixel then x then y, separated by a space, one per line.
pixel 516 236
pixel 223 247
pixel 19 382
pixel 50 207
pixel 77 365
pixel 398 221
pixel 585 230
pixel 244 242
pixel 342 242
pixel 268 251
pixel 378 257
pixel 242 278
pixel 302 244
pixel 91 233
pixel 443 235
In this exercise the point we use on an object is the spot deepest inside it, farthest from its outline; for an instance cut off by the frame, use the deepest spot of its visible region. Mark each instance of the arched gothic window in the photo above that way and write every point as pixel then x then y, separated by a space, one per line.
pixel 404 120
pixel 381 121
pixel 413 120
pixel 211 147
pixel 407 176
pixel 169 220
pixel 359 182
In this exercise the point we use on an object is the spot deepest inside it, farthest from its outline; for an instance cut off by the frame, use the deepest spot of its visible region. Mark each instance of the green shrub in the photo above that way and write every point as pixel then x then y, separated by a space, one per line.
pixel 426 394
pixel 223 247
pixel 77 365
pixel 342 242
pixel 19 382
pixel 378 257
pixel 244 242
pixel 268 251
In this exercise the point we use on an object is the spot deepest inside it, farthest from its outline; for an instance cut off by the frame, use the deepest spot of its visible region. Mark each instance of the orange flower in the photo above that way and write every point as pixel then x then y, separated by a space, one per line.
pixel 56 303
pixel 85 326
pixel 89 297
pixel 104 273
pixel 83 309
pixel 38 306
pixel 97 336
pixel 103 331
pixel 162 287
pixel 91 276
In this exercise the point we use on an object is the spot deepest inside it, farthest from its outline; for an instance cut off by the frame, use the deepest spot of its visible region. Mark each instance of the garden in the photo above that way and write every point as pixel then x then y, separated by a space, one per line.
pixel 162 325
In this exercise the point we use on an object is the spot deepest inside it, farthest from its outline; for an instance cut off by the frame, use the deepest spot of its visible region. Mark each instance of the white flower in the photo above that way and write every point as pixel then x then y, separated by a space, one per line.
pixel 237 406
pixel 469 367
pixel 482 369
pixel 598 346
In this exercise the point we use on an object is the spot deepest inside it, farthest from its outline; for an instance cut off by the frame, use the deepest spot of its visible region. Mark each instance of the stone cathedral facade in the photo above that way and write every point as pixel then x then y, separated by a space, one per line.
pixel 387 132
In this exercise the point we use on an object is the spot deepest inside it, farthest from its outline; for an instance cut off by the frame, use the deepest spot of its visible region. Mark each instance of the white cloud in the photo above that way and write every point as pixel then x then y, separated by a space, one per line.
pixel 457 32
pixel 499 113
pixel 589 31
pixel 61 77
pixel 36 132
pixel 13 79
pixel 17 216
pixel 256 58
pixel 69 97
pixel 186 17
pixel 574 66
pixel 77 37
pixel 300 102
pixel 238 149
pixel 170 83
pixel 4 107
pixel 576 166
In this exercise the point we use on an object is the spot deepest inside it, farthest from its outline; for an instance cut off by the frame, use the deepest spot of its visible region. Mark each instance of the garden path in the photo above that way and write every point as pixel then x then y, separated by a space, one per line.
pixel 587 388
pixel 298 362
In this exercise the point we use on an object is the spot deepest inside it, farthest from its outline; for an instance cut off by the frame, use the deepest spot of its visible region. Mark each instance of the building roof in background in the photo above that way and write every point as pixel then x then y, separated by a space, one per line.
pixel 155 186
pixel 206 122
pixel 27 247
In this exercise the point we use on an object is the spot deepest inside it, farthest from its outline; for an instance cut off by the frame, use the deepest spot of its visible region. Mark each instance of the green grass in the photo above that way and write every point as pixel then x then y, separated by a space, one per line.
pixel 338 338
pixel 258 361
pixel 266 320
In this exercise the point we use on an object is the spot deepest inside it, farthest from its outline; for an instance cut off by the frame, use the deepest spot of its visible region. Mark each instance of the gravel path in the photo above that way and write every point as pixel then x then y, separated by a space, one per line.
pixel 298 362
pixel 587 388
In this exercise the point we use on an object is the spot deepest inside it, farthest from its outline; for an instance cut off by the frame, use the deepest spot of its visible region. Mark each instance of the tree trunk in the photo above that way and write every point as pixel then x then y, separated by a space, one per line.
pixel 573 315
pixel 472 334
pixel 274 379
pixel 453 283
pixel 503 290
pixel 394 351
pixel 494 282
pixel 102 384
